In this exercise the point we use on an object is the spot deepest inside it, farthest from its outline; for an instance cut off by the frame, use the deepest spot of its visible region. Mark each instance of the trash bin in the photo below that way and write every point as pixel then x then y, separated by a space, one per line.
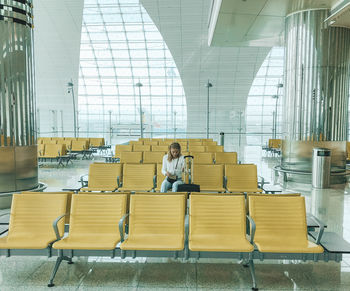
pixel 321 167
pixel 222 138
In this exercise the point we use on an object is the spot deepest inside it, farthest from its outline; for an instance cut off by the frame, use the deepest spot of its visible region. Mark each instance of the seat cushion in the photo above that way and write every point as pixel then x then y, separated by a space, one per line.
pixel 244 189
pixel 218 189
pixel 136 188
pixel 26 242
pixel 287 245
pixel 86 242
pixel 219 243
pixel 154 242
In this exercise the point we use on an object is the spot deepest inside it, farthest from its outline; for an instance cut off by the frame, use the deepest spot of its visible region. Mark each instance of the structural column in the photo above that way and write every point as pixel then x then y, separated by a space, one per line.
pixel 317 80
pixel 18 150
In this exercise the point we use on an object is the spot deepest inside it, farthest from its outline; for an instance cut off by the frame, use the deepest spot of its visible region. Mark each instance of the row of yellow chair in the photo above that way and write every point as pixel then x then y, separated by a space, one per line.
pixel 156 148
pixel 51 151
pixel 158 226
pixel 199 158
pixel 148 177
pixel 89 142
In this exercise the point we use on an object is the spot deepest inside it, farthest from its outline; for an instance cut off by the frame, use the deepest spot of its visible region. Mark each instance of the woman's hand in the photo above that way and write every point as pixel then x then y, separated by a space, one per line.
pixel 168 174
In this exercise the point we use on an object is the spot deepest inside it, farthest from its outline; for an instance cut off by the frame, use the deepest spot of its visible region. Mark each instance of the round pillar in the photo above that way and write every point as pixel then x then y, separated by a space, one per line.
pixel 317 61
pixel 18 150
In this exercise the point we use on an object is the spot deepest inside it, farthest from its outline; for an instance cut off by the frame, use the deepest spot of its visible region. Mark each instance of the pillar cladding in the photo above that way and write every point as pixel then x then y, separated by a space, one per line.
pixel 317 61
pixel 18 151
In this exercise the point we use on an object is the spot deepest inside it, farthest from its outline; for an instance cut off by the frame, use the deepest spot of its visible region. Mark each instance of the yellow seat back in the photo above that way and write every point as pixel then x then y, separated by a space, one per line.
pixel 104 175
pixel 348 150
pixel 212 215
pixel 159 148
pixel 203 158
pixel 209 143
pixel 209 177
pixel 32 215
pixel 138 176
pixel 119 148
pixel 135 142
pixel 97 141
pixel 150 142
pixel 196 148
pixel 156 215
pixel 96 214
pixel 141 148
pixel 51 141
pixel 69 199
pixel 53 150
pixel 131 157
pixel 80 145
pixel 215 148
pixel 226 158
pixel 278 217
pixel 242 177
pixel 153 157
pixel 194 143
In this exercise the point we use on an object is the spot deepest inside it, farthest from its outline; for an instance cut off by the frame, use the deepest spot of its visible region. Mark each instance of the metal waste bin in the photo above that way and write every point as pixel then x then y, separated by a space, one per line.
pixel 222 138
pixel 321 167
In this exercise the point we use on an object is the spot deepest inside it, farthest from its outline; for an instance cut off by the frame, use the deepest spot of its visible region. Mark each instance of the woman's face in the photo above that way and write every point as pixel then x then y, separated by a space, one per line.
pixel 174 152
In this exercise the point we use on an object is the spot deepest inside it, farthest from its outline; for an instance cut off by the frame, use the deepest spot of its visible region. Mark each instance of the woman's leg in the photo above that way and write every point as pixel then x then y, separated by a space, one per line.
pixel 176 185
pixel 165 186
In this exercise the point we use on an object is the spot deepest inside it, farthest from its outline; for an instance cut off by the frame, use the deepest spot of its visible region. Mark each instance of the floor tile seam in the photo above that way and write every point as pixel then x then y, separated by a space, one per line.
pixel 85 275
pixel 35 269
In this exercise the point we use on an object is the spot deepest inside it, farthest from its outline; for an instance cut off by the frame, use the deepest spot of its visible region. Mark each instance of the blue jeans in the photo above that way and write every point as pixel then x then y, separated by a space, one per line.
pixel 167 185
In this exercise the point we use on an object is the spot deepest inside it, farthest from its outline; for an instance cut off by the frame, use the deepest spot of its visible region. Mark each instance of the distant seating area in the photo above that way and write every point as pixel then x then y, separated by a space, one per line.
pixel 274 147
pixel 226 226
pixel 71 148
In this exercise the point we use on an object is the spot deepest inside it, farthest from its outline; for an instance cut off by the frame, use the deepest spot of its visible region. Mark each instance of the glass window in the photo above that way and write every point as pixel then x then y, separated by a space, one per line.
pixel 120 46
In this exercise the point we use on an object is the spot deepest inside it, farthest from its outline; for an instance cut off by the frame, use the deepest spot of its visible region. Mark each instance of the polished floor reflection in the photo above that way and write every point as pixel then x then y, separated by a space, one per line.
pixel 330 205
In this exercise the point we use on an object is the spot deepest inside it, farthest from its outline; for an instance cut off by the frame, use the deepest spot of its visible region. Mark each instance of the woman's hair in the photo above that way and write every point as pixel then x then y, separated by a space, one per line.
pixel 174 145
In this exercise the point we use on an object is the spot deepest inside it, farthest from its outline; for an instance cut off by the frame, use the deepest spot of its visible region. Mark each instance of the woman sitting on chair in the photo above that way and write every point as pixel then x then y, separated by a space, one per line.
pixel 173 166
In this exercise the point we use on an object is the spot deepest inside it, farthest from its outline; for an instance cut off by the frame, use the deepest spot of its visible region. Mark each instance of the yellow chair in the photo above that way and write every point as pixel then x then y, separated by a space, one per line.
pixel 160 177
pixel 197 148
pixel 241 178
pixel 144 139
pixel 119 148
pixel 141 148
pixel 202 158
pixel 275 143
pixel 156 222
pixel 348 150
pixel 68 144
pixel 51 141
pixel 79 145
pixel 194 143
pixel 94 222
pixel 209 143
pixel 131 157
pixel 226 158
pixel 135 142
pixel 209 177
pixel 58 139
pixel 104 177
pixel 53 151
pixel 97 141
pixel 159 148
pixel 151 142
pixel 138 177
pixel 69 199
pixel 218 224
pixel 153 157
pixel 31 219
pixel 281 225
pixel 215 148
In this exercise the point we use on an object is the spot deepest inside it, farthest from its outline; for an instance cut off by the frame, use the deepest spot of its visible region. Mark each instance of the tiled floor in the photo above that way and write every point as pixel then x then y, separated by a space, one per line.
pixel 331 205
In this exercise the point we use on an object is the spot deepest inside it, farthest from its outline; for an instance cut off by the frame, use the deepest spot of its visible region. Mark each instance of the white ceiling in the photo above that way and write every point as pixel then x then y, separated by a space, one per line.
pixel 184 27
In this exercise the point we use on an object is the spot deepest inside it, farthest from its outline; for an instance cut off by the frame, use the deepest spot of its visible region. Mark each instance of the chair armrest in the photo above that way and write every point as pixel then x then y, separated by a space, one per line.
pixel 55 228
pixel 253 228
pixel 154 181
pixel 82 181
pixel 121 226
pixel 225 182
pixel 187 218
pixel 262 182
pixel 321 231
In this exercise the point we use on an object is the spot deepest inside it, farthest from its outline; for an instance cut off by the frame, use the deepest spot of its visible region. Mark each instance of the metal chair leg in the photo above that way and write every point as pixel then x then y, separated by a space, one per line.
pixel 58 263
pixel 252 272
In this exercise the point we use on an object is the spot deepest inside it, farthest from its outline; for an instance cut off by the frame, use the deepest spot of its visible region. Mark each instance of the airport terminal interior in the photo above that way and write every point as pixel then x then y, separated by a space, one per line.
pixel 95 93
